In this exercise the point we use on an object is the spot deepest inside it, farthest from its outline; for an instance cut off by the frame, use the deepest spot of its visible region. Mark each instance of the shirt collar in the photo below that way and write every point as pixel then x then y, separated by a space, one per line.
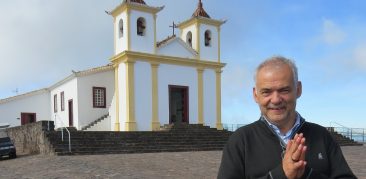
pixel 287 136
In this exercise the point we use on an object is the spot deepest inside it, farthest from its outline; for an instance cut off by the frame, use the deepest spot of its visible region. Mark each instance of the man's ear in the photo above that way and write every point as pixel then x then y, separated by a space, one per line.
pixel 299 89
pixel 255 95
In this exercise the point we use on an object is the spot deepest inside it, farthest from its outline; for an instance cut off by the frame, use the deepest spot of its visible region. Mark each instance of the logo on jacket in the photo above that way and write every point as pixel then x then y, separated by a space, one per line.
pixel 320 156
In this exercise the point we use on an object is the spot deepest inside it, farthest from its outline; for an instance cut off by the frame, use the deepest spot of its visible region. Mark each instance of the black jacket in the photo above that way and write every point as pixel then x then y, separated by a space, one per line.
pixel 255 151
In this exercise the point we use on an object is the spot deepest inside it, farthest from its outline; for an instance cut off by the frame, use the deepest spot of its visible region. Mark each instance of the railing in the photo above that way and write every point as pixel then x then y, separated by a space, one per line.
pixel 62 132
pixel 232 127
pixel 356 134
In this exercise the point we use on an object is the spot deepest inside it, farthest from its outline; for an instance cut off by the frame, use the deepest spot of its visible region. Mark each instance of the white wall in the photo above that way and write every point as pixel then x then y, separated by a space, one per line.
pixel 142 43
pixel 38 103
pixel 103 125
pixel 209 97
pixel 143 96
pixel 193 29
pixel 209 53
pixel 87 113
pixel 61 118
pixel 176 49
pixel 182 76
pixel 121 43
pixel 112 112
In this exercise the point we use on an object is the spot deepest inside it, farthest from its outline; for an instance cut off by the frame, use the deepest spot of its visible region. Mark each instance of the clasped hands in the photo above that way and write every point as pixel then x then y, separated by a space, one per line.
pixel 293 162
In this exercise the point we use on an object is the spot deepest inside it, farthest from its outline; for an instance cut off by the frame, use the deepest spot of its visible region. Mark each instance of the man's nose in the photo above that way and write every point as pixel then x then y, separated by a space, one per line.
pixel 276 98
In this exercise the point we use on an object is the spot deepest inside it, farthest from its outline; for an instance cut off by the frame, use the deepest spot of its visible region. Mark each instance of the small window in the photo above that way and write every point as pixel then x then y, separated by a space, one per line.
pixel 207 38
pixel 55 103
pixel 120 28
pixel 99 97
pixel 141 26
pixel 62 96
pixel 189 38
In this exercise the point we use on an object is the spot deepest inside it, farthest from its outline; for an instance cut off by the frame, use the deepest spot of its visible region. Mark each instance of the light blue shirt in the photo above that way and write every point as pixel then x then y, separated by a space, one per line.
pixel 287 136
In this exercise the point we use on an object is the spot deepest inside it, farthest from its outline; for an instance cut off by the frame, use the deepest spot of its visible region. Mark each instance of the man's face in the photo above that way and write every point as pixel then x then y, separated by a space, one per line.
pixel 276 94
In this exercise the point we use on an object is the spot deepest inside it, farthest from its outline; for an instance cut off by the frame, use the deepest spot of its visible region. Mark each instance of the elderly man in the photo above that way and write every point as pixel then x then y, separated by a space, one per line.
pixel 281 144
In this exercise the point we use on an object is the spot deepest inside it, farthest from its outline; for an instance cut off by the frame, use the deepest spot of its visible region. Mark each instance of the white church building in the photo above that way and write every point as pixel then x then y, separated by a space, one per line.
pixel 146 84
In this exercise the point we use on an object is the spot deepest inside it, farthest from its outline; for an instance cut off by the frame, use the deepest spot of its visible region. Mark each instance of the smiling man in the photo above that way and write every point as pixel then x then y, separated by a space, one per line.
pixel 281 144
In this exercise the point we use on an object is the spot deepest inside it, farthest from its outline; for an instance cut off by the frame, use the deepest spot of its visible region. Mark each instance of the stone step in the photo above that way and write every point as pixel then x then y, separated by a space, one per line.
pixel 173 138
pixel 137 151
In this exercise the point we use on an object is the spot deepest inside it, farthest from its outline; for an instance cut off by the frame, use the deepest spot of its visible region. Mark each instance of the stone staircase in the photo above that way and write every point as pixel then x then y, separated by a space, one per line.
pixel 172 138
pixel 94 122
pixel 343 140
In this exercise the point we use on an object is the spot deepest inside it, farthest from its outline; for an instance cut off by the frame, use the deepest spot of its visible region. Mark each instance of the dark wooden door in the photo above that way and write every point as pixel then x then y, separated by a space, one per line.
pixel 26 118
pixel 71 113
pixel 178 104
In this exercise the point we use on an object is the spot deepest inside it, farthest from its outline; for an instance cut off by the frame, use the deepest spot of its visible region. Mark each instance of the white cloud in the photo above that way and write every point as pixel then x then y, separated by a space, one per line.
pixel 359 57
pixel 332 33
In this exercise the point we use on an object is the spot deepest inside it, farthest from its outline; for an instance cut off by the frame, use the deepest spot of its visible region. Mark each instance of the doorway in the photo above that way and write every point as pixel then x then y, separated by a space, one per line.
pixel 27 118
pixel 71 113
pixel 178 104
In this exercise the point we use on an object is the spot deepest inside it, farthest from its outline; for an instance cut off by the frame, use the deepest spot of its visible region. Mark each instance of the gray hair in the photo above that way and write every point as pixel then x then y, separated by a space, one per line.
pixel 278 60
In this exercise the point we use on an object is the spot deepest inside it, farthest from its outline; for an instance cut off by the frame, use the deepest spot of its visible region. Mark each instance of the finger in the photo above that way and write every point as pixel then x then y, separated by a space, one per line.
pixel 296 155
pixel 302 141
pixel 289 145
pixel 295 144
pixel 303 153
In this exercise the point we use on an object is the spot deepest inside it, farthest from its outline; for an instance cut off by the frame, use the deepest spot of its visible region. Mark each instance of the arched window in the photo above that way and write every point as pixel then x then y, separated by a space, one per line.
pixel 120 28
pixel 207 38
pixel 141 26
pixel 189 38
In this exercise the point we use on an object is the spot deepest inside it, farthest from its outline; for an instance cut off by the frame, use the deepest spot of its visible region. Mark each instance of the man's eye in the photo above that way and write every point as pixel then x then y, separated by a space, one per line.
pixel 285 91
pixel 265 93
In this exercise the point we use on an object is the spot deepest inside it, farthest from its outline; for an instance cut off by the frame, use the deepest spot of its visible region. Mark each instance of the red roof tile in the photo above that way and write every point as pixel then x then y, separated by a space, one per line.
pixel 158 44
pixel 200 11
pixel 136 1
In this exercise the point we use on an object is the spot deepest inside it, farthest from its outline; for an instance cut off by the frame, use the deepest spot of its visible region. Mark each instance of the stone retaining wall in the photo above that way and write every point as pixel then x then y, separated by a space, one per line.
pixel 30 138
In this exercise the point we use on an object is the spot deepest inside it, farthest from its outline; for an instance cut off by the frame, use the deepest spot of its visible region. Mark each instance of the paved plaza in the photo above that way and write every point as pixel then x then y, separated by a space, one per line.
pixel 137 166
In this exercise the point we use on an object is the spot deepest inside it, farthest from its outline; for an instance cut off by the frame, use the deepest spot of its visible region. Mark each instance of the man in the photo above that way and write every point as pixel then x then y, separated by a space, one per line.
pixel 281 144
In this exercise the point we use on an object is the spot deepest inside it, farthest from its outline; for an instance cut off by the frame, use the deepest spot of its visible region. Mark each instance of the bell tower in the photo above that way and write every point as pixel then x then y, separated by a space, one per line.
pixel 202 33
pixel 135 27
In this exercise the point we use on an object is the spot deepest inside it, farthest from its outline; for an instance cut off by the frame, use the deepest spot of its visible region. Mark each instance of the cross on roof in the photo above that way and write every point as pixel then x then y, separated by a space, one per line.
pixel 174 26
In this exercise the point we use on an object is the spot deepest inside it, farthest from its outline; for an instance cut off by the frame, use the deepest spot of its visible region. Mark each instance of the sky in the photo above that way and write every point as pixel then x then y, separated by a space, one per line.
pixel 42 41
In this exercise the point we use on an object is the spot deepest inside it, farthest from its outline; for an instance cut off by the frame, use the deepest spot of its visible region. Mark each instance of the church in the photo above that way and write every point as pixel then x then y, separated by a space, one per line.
pixel 146 84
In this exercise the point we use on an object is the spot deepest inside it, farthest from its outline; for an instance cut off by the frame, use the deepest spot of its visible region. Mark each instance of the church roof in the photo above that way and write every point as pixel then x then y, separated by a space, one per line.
pixel 28 94
pixel 72 76
pixel 83 73
pixel 173 38
pixel 200 11
pixel 135 1
pixel 165 41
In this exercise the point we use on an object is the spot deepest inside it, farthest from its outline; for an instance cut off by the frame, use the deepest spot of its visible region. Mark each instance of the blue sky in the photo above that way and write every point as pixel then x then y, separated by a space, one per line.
pixel 42 41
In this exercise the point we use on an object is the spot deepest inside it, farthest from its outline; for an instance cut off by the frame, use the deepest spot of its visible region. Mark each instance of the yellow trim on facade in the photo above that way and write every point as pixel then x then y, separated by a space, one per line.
pixel 126 6
pixel 218 99
pixel 155 33
pixel 155 124
pixel 128 31
pixel 219 44
pixel 200 20
pixel 162 59
pixel 130 124
pixel 198 42
pixel 116 93
pixel 200 95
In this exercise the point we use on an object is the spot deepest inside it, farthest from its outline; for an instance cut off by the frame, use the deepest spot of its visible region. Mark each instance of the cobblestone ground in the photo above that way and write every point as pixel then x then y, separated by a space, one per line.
pixel 150 165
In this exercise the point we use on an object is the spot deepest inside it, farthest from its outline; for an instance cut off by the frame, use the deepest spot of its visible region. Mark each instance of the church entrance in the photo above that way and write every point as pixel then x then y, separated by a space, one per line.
pixel 178 104
pixel 27 118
